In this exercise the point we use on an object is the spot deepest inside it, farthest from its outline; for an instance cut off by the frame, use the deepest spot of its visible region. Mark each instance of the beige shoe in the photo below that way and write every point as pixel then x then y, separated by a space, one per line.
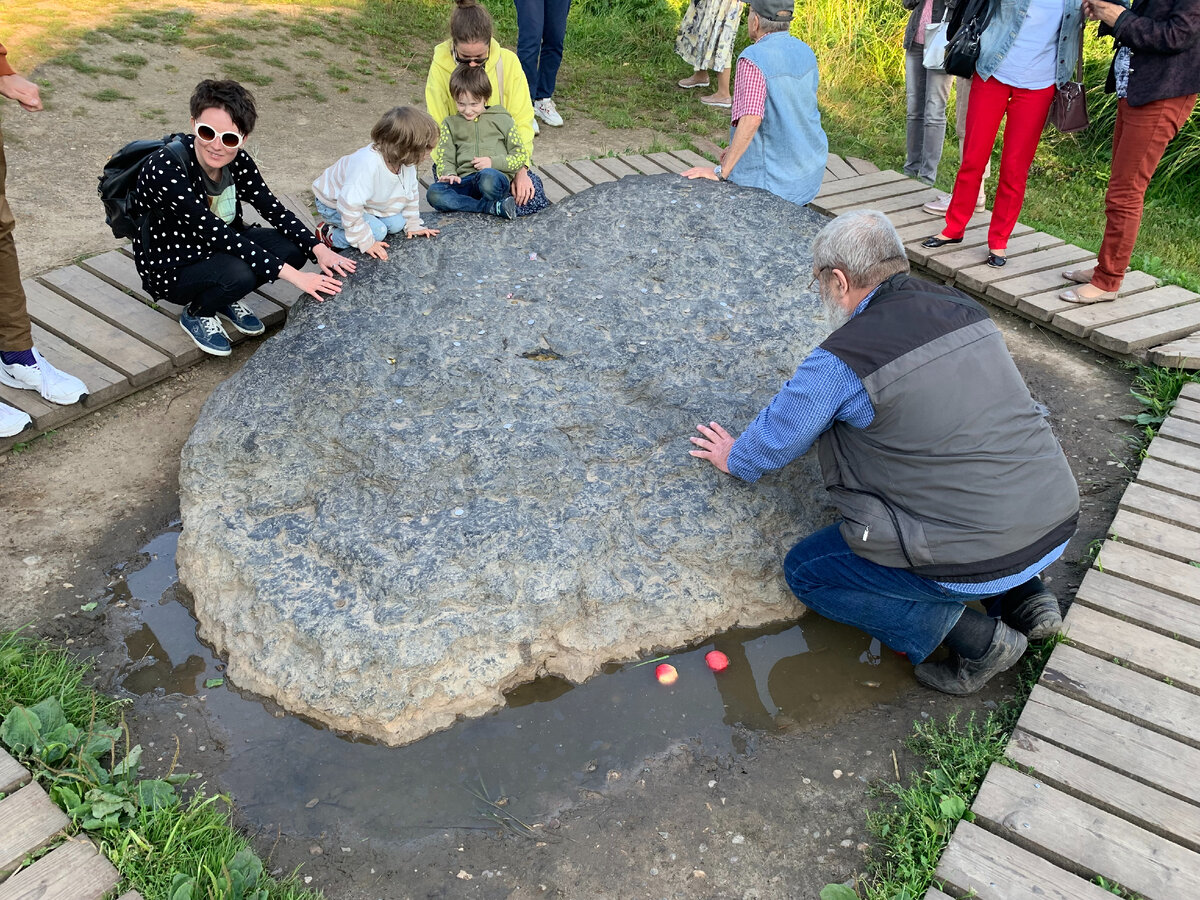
pixel 1078 295
pixel 939 206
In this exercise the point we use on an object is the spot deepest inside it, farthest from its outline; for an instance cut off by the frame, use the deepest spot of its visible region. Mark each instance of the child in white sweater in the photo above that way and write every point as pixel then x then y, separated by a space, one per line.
pixel 374 192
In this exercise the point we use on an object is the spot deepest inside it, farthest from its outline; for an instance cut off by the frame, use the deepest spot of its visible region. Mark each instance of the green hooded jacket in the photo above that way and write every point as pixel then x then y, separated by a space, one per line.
pixel 492 134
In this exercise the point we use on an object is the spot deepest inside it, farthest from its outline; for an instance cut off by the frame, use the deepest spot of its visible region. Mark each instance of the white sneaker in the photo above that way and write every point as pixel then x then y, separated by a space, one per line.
pixel 55 386
pixel 536 130
pixel 547 112
pixel 12 421
pixel 939 206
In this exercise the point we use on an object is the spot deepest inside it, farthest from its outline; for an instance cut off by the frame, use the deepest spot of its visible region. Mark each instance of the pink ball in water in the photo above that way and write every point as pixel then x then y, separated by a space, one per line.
pixel 666 674
pixel 717 661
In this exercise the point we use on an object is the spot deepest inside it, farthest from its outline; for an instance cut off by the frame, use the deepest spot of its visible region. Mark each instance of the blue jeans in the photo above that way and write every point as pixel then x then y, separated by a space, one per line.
pixel 541 29
pixel 477 192
pixel 927 92
pixel 381 226
pixel 908 613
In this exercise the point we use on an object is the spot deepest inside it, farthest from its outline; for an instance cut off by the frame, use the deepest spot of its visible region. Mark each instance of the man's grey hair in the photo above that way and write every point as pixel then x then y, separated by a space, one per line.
pixel 864 245
pixel 769 26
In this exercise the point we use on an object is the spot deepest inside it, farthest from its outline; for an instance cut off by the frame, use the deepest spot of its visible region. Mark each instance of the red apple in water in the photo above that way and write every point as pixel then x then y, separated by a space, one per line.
pixel 717 661
pixel 666 674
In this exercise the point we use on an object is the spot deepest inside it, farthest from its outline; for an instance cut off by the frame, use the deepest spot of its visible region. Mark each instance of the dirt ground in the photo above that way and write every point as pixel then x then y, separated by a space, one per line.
pixel 774 822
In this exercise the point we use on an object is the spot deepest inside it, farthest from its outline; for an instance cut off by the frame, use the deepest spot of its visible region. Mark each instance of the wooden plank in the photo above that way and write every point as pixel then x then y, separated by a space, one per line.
pixel 1010 293
pixel 1081 321
pixel 45 415
pixel 861 166
pixel 668 162
pixel 1153 759
pixel 643 165
pixel 934 894
pixel 590 171
pixel 839 167
pixel 1145 650
pixel 691 159
pixel 566 177
pixel 1154 473
pixel 119 309
pixel 1165 506
pixel 282 293
pixel 1176 453
pixel 858 182
pixel 1045 306
pixel 1168 817
pixel 1087 839
pixel 926 226
pixel 555 192
pixel 130 895
pixel 949 259
pixel 1149 331
pixel 902 218
pixel 1151 534
pixel 28 822
pixel 1180 430
pixel 959 255
pixel 1125 693
pixel 1186 409
pixel 73 871
pixel 12 773
pixel 1181 354
pixel 914 200
pixel 867 195
pixel 138 362
pixel 711 149
pixel 1191 391
pixel 1141 605
pixel 1152 570
pixel 119 270
pixel 615 167
pixel 103 383
pixel 977 278
pixel 987 867
pixel 300 209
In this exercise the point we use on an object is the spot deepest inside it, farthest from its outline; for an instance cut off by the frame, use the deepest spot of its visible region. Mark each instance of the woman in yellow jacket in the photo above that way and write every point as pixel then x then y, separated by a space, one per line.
pixel 471 43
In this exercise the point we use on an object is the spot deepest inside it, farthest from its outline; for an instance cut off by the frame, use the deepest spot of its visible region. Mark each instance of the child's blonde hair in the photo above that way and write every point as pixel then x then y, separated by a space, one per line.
pixel 471 81
pixel 403 135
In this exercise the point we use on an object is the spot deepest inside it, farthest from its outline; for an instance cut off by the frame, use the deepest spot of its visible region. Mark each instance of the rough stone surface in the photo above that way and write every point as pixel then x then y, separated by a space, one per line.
pixel 472 468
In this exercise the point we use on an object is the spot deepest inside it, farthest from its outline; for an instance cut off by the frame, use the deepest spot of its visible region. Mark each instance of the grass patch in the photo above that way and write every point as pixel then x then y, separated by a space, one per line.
pixel 1157 390
pixel 275 62
pixel 109 95
pixel 240 72
pixel 165 846
pixel 130 60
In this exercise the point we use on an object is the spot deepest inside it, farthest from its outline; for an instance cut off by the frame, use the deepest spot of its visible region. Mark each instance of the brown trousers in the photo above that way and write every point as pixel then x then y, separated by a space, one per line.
pixel 14 320
pixel 1139 141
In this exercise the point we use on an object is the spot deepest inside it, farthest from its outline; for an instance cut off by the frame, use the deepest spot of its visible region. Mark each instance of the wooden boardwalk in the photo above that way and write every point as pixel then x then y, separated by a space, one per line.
pixel 1107 750
pixel 94 320
pixel 30 822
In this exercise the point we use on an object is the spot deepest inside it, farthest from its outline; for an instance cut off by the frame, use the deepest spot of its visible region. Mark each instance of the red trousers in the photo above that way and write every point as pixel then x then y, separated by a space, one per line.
pixel 14 320
pixel 1026 112
pixel 1140 137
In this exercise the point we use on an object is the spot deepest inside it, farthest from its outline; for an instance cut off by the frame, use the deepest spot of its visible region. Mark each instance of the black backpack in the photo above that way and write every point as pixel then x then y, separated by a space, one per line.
pixel 120 175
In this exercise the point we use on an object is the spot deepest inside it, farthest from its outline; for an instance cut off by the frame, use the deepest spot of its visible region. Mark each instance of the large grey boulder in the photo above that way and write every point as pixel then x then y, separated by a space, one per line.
pixel 471 467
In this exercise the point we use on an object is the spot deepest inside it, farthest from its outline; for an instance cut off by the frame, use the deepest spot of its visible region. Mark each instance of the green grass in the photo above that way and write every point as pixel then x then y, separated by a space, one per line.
pixel 109 95
pixel 1156 389
pixel 193 837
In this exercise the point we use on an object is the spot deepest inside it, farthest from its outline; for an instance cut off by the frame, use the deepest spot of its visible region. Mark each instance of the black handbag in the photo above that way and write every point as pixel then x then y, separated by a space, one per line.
pixel 1068 109
pixel 962 50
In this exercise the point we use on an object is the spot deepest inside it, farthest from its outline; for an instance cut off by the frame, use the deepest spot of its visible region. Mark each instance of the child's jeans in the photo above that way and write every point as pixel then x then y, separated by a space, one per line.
pixel 478 192
pixel 381 226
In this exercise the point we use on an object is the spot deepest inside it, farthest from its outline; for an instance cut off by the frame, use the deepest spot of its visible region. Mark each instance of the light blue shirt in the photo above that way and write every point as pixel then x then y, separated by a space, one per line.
pixel 1031 61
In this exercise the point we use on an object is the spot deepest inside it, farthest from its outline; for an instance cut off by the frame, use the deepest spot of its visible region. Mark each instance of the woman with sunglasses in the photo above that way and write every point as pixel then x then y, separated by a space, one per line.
pixel 196 251
pixel 471 44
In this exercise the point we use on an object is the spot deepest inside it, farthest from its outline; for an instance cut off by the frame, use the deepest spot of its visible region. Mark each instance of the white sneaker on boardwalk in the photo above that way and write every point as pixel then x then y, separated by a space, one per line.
pixel 939 206
pixel 12 421
pixel 536 129
pixel 547 112
pixel 55 386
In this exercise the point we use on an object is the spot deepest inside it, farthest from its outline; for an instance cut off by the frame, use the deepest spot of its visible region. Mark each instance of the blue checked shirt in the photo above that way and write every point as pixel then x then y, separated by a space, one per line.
pixel 824 390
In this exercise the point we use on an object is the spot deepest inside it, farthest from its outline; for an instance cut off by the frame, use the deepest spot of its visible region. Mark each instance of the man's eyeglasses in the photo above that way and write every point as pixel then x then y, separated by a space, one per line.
pixel 468 60
pixel 206 134
pixel 816 280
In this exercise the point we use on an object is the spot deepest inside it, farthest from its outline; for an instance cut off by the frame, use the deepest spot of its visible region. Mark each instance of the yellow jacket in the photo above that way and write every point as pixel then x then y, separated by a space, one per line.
pixel 509 89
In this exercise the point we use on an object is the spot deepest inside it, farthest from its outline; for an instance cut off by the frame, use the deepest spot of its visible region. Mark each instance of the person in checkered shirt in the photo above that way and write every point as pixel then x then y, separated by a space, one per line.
pixel 776 141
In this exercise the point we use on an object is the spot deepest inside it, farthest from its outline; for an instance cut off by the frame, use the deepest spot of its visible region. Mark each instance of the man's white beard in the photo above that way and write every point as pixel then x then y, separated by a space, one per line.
pixel 835 314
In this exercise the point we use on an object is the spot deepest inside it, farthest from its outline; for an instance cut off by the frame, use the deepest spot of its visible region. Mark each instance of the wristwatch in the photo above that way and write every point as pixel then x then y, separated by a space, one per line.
pixel 717 172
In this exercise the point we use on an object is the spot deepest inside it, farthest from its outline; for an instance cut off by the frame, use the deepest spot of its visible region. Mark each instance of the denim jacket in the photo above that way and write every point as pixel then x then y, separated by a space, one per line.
pixel 1001 33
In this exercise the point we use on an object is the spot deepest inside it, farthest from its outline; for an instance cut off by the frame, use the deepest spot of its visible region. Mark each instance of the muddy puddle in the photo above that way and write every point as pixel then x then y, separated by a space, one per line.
pixel 530 758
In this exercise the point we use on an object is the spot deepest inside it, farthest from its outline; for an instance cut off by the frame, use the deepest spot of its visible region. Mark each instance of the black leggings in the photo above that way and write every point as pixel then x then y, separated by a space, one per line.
pixel 208 286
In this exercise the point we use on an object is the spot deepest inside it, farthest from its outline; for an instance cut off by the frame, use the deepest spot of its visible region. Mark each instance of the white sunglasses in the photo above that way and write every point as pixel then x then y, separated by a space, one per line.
pixel 206 134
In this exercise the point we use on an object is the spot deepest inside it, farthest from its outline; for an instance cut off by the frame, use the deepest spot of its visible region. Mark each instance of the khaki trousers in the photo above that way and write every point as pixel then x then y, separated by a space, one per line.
pixel 14 320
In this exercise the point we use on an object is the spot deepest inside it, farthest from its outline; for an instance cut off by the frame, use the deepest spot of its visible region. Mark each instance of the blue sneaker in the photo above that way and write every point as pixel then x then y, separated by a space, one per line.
pixel 506 208
pixel 207 332
pixel 242 319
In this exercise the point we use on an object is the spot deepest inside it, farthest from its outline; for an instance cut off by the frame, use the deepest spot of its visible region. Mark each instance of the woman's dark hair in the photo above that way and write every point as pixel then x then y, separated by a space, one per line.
pixel 403 135
pixel 470 23
pixel 229 96
pixel 472 81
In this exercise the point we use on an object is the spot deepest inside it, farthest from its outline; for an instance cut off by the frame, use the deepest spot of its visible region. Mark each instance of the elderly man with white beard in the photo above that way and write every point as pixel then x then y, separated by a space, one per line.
pixel 949 483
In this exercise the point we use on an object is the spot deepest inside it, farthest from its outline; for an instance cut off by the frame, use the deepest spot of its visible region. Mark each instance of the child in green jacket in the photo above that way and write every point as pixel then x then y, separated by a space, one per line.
pixel 478 153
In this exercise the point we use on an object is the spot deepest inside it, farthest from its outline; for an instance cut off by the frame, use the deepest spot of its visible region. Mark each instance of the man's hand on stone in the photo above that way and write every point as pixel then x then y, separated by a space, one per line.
pixel 708 172
pixel 24 91
pixel 331 261
pixel 522 187
pixel 715 444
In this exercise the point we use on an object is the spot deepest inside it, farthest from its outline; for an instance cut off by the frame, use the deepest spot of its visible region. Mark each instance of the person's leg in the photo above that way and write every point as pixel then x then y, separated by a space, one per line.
pixel 914 101
pixel 461 197
pixel 335 233
pixel 933 138
pixel 723 92
pixel 1139 140
pixel 908 613
pixel 988 101
pixel 205 288
pixel 963 86
pixel 531 22
pixel 15 333
pixel 554 32
pixel 1027 111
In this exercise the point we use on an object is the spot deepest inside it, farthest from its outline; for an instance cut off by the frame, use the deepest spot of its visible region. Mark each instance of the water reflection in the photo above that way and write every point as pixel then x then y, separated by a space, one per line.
pixel 551 739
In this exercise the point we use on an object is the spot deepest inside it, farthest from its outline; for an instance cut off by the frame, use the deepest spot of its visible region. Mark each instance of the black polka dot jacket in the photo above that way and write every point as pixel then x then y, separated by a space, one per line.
pixel 183 230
